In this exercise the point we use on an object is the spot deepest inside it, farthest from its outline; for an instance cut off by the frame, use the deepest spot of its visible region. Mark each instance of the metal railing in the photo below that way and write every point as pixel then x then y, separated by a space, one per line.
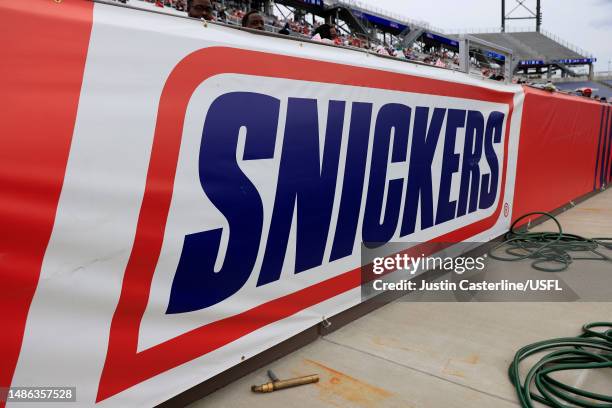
pixel 510 30
pixel 469 45
pixel 362 6
pixel 567 44
pixel 603 74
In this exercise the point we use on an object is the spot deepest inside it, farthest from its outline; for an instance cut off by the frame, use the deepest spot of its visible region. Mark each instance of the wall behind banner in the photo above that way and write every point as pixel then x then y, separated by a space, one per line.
pixel 116 126
pixel 564 150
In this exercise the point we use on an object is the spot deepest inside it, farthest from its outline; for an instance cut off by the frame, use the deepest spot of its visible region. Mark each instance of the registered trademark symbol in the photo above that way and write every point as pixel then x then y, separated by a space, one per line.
pixel 506 210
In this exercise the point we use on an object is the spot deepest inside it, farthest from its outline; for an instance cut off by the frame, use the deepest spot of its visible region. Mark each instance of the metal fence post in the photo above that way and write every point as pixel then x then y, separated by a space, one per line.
pixel 464 54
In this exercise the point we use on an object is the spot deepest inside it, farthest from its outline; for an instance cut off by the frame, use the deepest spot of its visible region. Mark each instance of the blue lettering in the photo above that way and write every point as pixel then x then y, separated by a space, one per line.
pixel 450 165
pixel 196 285
pixel 305 183
pixel 424 143
pixel 352 188
pixel 493 134
pixel 470 169
pixel 307 179
pixel 390 117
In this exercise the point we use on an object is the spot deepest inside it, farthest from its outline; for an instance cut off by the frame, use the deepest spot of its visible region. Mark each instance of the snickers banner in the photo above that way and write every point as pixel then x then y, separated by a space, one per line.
pixel 177 198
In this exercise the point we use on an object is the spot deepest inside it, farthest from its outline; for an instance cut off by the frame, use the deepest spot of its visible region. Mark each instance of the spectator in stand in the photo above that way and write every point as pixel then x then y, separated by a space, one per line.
pixel 495 76
pixel 409 54
pixel 380 49
pixel 356 42
pixel 222 15
pixel 200 9
pixel 285 30
pixel 325 33
pixel 180 5
pixel 253 20
pixel 587 92
pixel 550 87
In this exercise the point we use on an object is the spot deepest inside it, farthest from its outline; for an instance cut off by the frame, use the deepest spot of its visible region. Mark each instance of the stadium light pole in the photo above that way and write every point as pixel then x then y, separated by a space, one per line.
pixel 520 5
pixel 503 10
pixel 538 16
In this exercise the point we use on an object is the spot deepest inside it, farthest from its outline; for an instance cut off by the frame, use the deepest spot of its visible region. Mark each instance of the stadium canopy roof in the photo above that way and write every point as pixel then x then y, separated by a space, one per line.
pixel 534 49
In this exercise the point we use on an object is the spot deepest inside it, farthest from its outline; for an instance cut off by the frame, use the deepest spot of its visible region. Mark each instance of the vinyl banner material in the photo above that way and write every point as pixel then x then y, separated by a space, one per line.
pixel 178 197
pixel 565 150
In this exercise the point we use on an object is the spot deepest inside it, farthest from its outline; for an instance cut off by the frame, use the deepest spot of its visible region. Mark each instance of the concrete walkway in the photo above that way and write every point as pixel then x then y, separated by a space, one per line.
pixel 432 354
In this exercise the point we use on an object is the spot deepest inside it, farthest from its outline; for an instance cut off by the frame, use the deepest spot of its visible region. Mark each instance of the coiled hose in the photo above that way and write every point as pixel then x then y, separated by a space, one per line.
pixel 552 252
pixel 591 350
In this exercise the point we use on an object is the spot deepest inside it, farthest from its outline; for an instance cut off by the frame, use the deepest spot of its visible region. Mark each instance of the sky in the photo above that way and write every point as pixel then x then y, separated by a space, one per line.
pixel 584 23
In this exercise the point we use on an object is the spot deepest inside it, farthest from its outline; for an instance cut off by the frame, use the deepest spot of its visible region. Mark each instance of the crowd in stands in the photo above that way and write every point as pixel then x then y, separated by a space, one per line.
pixel 583 91
pixel 234 12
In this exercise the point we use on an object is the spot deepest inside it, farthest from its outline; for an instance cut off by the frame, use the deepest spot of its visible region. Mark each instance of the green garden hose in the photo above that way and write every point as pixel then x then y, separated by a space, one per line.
pixel 591 350
pixel 554 252
pixel 550 251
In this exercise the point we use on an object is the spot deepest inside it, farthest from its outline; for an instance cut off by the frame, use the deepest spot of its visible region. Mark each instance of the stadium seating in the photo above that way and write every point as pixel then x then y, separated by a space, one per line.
pixel 520 50
pixel 545 46
pixel 417 42
pixel 531 46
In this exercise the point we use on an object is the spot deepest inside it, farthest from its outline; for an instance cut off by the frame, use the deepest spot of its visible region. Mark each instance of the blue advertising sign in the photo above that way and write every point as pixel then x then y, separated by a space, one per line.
pixel 496 56
pixel 380 21
pixel 442 40
pixel 531 62
pixel 576 60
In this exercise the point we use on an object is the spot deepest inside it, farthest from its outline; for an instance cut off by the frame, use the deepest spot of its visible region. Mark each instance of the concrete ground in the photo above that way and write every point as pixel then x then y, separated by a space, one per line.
pixel 432 354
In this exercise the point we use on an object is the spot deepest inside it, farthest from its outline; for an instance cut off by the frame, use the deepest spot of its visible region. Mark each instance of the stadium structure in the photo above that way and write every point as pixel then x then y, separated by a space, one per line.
pixel 538 56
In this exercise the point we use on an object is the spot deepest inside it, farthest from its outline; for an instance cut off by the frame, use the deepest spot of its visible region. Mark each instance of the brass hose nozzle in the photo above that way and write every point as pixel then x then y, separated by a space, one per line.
pixel 282 384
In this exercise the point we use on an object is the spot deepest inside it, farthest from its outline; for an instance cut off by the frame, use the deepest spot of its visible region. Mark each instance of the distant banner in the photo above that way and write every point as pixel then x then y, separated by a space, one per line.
pixel 379 21
pixel 179 197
